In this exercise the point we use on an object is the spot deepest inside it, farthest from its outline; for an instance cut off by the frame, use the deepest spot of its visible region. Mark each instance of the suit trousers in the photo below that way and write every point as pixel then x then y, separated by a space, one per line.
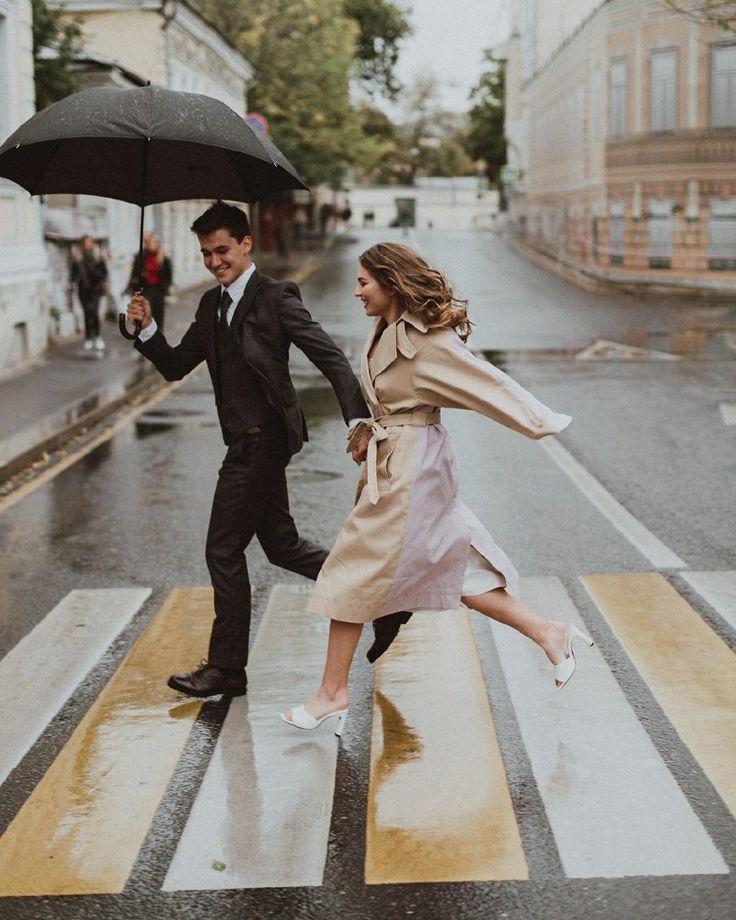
pixel 250 500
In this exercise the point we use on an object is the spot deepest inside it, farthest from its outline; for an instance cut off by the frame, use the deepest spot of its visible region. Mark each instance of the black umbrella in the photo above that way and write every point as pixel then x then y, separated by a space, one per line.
pixel 144 145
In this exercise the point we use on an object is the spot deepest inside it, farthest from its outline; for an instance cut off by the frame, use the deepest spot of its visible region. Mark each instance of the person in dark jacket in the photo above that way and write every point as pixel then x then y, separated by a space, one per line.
pixel 89 274
pixel 156 279
pixel 243 329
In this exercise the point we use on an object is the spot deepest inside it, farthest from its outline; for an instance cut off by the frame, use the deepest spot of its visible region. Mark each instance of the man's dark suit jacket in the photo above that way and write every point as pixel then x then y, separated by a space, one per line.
pixel 269 317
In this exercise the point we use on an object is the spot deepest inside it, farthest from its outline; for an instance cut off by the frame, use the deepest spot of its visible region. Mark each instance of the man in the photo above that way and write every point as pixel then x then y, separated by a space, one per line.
pixel 89 273
pixel 243 329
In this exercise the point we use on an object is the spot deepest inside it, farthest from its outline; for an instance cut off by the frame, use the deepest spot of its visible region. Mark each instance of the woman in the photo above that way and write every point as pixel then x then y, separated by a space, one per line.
pixel 156 279
pixel 89 273
pixel 409 543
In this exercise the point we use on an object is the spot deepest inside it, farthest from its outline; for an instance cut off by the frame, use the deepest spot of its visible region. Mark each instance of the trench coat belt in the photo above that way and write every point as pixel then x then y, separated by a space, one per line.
pixel 378 427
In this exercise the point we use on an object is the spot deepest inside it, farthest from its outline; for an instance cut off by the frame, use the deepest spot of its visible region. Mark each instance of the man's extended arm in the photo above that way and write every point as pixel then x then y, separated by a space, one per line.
pixel 322 351
pixel 173 362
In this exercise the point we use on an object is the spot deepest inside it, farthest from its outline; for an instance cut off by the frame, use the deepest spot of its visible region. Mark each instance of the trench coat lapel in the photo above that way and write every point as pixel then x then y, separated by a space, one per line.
pixel 365 374
pixel 394 341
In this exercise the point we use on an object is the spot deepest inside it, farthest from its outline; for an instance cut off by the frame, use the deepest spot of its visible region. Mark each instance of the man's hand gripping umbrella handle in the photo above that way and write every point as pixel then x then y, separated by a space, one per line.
pixel 127 329
pixel 137 316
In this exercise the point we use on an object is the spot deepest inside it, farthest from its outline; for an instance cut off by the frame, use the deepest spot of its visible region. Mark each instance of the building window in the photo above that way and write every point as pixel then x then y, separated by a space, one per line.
pixel 664 90
pixel 618 97
pixel 722 235
pixel 661 226
pixel 723 87
pixel 4 77
pixel 616 232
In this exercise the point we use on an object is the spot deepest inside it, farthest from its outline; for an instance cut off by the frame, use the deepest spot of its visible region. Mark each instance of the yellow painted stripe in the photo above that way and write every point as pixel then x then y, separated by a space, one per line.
pixel 439 808
pixel 82 827
pixel 690 671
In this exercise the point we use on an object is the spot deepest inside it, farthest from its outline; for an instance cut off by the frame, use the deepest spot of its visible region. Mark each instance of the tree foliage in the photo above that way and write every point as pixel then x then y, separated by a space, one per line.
pixel 305 54
pixel 485 138
pixel 382 25
pixel 57 41
pixel 721 13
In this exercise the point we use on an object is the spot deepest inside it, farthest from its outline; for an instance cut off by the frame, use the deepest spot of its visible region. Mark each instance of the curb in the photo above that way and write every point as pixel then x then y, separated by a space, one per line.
pixel 627 284
pixel 21 449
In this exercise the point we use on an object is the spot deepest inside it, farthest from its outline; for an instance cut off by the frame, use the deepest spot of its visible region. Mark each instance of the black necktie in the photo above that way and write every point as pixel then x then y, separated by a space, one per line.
pixel 225 301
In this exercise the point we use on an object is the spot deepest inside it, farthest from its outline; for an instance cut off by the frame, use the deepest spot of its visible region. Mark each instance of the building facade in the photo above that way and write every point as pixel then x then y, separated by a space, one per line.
pixel 170 45
pixel 621 118
pixel 24 308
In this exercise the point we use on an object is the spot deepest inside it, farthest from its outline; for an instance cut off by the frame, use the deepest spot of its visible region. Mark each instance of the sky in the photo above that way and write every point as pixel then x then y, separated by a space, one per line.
pixel 449 39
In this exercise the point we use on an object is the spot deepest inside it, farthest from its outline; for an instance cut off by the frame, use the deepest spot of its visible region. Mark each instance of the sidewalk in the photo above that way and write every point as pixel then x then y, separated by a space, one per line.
pixel 71 389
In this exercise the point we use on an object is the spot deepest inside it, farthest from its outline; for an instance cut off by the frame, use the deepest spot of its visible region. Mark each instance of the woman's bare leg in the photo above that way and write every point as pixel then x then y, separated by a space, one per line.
pixel 333 692
pixel 498 605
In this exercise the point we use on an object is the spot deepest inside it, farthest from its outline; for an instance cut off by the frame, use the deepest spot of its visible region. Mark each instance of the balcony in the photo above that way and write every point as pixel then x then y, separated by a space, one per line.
pixel 689 146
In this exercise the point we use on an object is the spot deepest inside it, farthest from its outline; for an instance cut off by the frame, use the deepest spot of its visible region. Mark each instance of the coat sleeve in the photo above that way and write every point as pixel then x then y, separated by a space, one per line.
pixel 448 375
pixel 322 351
pixel 174 362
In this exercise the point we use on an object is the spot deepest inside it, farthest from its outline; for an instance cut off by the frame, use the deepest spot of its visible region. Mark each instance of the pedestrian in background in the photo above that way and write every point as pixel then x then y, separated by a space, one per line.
pixel 89 274
pixel 409 543
pixel 156 279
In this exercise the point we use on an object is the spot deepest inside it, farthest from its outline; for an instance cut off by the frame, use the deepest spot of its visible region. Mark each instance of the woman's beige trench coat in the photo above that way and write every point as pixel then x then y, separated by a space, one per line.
pixel 406 542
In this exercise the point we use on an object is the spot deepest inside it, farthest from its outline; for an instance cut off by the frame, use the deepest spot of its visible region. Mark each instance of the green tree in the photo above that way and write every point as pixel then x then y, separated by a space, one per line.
pixel 485 139
pixel 432 138
pixel 721 13
pixel 382 25
pixel 381 144
pixel 303 54
pixel 57 41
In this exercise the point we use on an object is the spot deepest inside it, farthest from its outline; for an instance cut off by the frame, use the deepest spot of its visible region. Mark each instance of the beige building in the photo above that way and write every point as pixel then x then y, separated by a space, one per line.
pixel 621 120
pixel 23 300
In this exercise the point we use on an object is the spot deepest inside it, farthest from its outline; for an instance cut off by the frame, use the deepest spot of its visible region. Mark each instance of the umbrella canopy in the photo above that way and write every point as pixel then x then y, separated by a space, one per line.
pixel 144 145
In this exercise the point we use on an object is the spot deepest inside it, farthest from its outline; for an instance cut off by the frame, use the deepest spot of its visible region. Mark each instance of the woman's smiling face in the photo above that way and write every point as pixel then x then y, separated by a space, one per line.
pixel 377 301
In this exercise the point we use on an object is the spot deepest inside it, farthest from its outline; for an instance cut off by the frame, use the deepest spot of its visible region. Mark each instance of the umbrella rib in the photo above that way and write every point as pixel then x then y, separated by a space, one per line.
pixel 44 169
pixel 232 163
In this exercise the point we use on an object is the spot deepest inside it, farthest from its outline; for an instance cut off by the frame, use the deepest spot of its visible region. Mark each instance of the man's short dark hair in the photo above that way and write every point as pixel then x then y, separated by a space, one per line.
pixel 222 216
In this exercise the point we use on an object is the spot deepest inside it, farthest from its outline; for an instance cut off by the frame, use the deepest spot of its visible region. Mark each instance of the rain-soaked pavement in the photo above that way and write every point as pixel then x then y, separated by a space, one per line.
pixel 612 799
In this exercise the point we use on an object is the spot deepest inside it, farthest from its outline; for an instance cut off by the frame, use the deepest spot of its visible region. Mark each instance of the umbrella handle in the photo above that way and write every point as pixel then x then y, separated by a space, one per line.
pixel 124 327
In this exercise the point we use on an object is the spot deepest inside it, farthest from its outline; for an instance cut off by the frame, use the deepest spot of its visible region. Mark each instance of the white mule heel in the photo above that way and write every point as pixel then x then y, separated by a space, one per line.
pixel 565 669
pixel 300 718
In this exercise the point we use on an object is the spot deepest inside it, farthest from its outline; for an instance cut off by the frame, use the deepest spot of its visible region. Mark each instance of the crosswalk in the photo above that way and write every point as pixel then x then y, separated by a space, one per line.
pixel 443 801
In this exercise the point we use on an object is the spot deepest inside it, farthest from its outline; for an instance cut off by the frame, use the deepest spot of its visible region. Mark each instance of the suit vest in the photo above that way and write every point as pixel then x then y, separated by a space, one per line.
pixel 242 403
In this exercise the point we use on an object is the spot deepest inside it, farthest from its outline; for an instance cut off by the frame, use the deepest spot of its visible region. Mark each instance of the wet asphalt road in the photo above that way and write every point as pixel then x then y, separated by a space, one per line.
pixel 134 512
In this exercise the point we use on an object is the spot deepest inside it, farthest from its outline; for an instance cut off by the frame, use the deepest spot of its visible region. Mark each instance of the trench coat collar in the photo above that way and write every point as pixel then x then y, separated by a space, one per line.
pixel 394 341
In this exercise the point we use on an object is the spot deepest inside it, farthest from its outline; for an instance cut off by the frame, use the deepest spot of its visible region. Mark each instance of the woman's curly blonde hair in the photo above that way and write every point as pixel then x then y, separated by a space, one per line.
pixel 418 287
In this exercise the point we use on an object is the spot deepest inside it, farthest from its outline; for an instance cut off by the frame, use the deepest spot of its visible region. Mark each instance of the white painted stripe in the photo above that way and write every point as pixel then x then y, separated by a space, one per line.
pixel 49 662
pixel 614 808
pixel 262 815
pixel 728 413
pixel 643 540
pixel 718 589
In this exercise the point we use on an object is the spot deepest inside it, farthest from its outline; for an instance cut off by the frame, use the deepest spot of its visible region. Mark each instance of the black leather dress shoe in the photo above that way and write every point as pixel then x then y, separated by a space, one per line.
pixel 209 680
pixel 385 630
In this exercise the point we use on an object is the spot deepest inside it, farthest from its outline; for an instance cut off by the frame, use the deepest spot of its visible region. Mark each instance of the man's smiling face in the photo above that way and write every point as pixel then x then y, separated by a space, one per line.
pixel 224 256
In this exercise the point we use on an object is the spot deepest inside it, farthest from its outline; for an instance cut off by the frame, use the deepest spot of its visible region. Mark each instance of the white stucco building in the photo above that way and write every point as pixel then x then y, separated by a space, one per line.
pixel 23 300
